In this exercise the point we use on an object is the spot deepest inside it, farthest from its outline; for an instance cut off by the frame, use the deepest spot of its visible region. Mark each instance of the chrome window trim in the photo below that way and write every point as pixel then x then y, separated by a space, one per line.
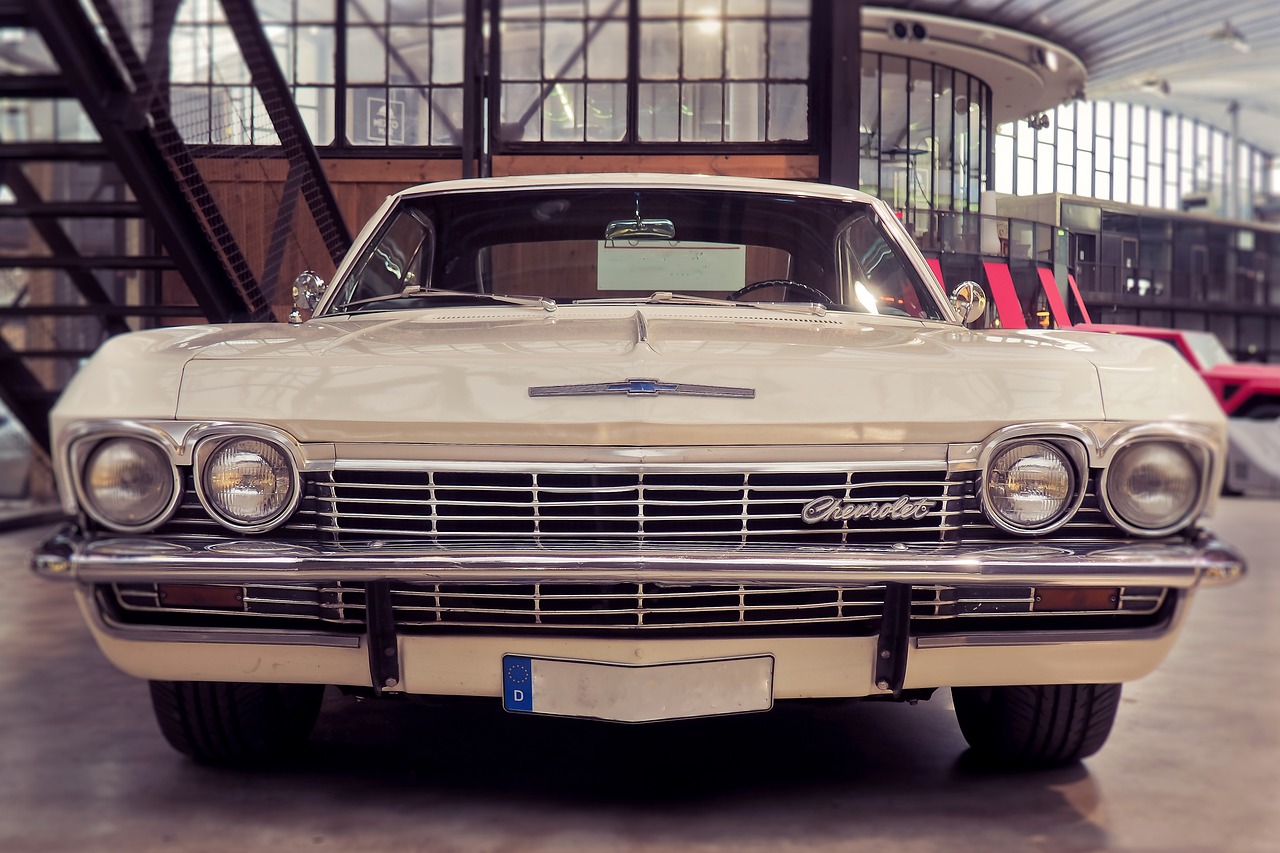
pixel 207 445
pixel 1201 452
pixel 78 456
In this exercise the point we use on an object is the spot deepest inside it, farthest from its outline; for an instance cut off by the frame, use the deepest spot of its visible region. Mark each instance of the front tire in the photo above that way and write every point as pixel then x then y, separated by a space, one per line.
pixel 1039 725
pixel 234 723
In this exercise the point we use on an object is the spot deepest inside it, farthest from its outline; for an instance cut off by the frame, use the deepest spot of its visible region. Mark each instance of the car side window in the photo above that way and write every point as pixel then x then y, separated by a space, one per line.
pixel 399 259
pixel 874 277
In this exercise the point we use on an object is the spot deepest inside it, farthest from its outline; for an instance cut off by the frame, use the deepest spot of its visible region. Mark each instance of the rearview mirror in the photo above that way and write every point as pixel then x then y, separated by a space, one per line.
pixel 640 229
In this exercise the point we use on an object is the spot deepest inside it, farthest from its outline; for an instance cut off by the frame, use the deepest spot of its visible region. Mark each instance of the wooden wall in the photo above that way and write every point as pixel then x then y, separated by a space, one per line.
pixel 248 192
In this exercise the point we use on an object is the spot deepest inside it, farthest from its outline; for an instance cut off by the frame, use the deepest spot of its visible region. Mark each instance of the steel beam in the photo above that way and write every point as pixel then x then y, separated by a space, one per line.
pixel 304 161
pixel 127 135
pixel 61 245
pixel 836 86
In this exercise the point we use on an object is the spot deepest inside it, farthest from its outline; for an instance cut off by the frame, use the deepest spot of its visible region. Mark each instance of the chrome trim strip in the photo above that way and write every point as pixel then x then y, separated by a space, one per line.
pixel 641 388
pixel 1151 564
pixel 237 636
pixel 994 639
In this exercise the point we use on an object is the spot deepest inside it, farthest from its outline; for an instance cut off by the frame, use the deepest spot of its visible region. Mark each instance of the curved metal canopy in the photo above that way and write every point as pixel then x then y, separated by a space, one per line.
pixel 1203 60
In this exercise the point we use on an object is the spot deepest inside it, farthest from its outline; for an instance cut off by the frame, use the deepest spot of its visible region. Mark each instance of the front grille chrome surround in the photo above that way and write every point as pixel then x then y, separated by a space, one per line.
pixel 730 507
pixel 633 607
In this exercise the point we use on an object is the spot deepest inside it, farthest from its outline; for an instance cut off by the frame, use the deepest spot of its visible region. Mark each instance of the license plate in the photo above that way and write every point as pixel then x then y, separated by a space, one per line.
pixel 636 694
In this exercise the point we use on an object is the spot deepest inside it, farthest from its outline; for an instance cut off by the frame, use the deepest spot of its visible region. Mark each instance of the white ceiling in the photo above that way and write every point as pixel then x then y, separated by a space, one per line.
pixel 1133 50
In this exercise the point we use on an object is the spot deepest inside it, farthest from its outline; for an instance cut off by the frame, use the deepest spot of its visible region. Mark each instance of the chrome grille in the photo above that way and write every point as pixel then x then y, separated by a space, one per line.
pixel 950 602
pixel 644 606
pixel 1089 522
pixel 722 507
pixel 636 606
pixel 191 519
pixel 300 605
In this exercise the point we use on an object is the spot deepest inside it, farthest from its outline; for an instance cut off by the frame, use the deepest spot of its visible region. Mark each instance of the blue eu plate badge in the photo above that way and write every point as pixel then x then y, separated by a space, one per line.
pixel 517 683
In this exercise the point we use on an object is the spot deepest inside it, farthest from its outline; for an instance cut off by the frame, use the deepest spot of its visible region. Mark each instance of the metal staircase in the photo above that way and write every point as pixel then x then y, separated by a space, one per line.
pixel 107 223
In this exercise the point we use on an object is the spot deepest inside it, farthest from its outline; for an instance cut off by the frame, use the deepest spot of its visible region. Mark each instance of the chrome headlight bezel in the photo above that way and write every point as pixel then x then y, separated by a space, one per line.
pixel 204 453
pixel 1201 459
pixel 1075 459
pixel 85 450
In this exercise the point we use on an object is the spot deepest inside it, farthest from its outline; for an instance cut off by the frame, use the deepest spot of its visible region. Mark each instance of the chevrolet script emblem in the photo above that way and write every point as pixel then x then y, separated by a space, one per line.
pixel 827 508
pixel 641 388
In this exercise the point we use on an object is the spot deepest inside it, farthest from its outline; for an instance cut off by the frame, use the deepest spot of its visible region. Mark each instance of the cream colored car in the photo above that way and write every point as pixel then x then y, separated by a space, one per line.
pixel 636 448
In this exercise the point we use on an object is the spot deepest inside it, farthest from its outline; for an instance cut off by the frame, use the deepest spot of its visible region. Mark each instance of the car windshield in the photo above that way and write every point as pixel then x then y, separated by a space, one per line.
pixel 687 245
pixel 1208 349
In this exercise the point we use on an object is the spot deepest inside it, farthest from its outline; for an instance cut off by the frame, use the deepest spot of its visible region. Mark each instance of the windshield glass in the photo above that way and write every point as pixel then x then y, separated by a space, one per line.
pixel 1208 349
pixel 624 244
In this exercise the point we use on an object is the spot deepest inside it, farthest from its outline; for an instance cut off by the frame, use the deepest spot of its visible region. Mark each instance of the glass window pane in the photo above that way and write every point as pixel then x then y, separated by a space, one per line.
pixel 446 116
pixel 606 112
pixel 701 112
pixel 229 66
pixel 317 108
pixel 446 55
pixel 659 46
pixel 562 54
pixel 318 10
pixel 608 52
pixel 366 55
pixel 789 51
pixel 703 48
pixel 746 103
pixel 659 111
pixel 562 113
pixel 788 112
pixel 409 116
pixel 369 117
pixel 520 112
pixel 316 52
pixel 521 51
pixel 409 56
pixel 659 8
pixel 410 11
pixel 745 58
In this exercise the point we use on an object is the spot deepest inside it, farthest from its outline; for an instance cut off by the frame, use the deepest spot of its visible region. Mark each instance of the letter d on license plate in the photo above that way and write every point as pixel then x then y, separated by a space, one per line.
pixel 636 694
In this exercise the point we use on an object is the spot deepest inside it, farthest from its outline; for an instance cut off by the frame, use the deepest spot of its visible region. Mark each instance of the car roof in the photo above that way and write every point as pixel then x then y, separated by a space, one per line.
pixel 625 180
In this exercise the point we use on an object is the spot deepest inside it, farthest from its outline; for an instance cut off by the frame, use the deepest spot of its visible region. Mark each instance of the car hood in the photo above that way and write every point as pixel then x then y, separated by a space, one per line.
pixel 464 376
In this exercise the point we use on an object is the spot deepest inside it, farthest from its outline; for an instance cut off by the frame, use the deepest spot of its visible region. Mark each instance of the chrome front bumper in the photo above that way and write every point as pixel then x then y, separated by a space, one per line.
pixel 1182 564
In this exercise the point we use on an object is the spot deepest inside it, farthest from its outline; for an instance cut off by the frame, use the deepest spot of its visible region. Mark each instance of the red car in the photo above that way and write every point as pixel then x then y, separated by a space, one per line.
pixel 1244 390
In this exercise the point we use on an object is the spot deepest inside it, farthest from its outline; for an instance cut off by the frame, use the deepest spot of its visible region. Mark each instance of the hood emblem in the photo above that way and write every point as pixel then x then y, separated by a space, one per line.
pixel 641 388
pixel 828 508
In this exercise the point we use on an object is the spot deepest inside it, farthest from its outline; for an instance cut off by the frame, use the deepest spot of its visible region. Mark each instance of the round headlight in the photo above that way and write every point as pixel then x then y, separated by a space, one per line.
pixel 128 483
pixel 1029 487
pixel 248 483
pixel 1153 486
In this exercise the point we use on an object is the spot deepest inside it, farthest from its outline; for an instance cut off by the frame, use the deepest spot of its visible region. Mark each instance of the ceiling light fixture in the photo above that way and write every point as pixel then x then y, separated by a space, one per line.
pixel 1230 35
pixel 1156 86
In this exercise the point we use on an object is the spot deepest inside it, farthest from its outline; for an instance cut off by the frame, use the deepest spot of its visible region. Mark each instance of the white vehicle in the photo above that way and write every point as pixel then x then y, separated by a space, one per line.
pixel 636 448
pixel 15 459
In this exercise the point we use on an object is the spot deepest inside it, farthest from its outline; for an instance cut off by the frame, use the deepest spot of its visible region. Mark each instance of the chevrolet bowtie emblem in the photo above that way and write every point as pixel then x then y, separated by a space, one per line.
pixel 641 388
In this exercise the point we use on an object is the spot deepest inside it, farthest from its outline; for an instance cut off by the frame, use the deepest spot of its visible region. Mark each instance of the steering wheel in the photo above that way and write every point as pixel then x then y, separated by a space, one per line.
pixel 787 284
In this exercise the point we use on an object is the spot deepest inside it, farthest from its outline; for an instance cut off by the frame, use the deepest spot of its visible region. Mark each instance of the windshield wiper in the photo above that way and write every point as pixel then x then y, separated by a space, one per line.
pixel 666 297
pixel 418 292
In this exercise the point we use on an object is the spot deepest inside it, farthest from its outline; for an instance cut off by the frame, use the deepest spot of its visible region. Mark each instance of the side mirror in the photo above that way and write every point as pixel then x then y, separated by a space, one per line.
pixel 307 290
pixel 970 301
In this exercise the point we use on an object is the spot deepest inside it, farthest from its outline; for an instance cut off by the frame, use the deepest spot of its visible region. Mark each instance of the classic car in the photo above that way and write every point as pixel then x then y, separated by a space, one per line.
pixel 15 459
pixel 636 448
pixel 1243 390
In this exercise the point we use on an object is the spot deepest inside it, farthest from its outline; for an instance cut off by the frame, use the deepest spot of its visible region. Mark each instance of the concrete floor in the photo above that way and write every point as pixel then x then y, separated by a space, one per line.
pixel 1192 765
